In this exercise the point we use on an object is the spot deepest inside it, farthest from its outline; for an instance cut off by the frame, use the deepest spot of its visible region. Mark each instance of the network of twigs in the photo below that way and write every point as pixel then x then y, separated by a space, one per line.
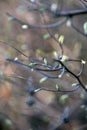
pixel 59 63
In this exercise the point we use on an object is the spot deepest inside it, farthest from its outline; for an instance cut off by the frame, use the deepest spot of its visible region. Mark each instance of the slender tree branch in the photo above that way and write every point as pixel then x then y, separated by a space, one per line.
pixel 76 76
pixel 71 13
pixel 67 14
pixel 53 25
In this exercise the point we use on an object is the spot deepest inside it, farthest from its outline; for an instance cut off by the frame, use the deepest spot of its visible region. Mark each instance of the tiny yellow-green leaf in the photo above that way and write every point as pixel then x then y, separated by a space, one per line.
pixel 42 8
pixel 61 39
pixel 43 79
pixel 39 52
pixel 74 84
pixel 37 90
pixel 46 36
pixel 83 62
pixel 63 98
pixel 57 87
pixel 82 96
pixel 55 54
pixel 85 27
pixel 31 64
pixel 64 58
pixel 69 23
pixel 45 61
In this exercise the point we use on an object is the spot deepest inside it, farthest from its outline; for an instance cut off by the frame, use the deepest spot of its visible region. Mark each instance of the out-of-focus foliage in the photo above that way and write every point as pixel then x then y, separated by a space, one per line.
pixel 20 97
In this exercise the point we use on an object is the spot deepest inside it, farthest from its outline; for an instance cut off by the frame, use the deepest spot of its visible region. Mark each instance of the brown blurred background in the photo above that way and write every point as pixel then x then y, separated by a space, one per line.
pixel 48 107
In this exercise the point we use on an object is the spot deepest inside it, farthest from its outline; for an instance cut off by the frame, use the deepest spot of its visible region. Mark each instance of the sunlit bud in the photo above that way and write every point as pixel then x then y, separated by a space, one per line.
pixel 85 27
pixel 16 58
pixel 60 76
pixel 43 79
pixel 68 23
pixel 53 7
pixel 32 1
pixel 83 62
pixel 57 87
pixel 61 39
pixel 64 58
pixel 36 90
pixel 74 84
pixel 55 54
pixel 24 26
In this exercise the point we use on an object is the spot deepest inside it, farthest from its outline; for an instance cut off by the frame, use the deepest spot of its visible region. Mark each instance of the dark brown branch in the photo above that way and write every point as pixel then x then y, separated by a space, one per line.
pixel 53 25
pixel 76 76
pixel 71 13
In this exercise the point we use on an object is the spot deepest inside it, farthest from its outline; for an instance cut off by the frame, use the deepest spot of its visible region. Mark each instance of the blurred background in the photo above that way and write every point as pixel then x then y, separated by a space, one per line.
pixel 45 110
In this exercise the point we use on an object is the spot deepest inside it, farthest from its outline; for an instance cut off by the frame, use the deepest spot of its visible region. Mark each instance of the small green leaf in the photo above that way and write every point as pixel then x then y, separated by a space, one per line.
pixel 42 8
pixel 31 64
pixel 61 39
pixel 55 54
pixel 82 96
pixel 46 36
pixel 39 52
pixel 63 98
pixel 64 58
pixel 43 79
pixel 85 27
pixel 45 61
pixel 83 62
pixel 37 90
pixel 74 84
pixel 69 23
pixel 57 87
